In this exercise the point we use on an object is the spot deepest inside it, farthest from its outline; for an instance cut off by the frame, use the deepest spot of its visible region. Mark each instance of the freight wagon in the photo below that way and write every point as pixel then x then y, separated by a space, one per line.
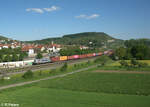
pixel 73 57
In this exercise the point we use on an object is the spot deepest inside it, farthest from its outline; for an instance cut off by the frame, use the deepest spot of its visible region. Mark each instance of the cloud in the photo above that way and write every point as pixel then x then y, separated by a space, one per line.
pixel 37 10
pixel 53 8
pixel 42 10
pixel 83 16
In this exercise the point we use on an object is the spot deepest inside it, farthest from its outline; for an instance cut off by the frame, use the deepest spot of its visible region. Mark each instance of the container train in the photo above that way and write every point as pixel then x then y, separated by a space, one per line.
pixel 73 57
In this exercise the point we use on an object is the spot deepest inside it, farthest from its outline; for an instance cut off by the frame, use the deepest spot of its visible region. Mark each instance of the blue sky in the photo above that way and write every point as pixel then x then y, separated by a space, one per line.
pixel 38 19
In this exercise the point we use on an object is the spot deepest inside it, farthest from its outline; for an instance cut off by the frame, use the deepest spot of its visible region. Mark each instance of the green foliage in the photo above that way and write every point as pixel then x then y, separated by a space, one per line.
pixel 40 72
pixel 76 51
pixel 39 56
pixel 15 57
pixel 124 63
pixel 115 83
pixel 11 54
pixel 7 58
pixel 102 60
pixel 21 57
pixel 134 62
pixel 98 39
pixel 64 67
pixel 138 51
pixel 28 74
pixel 140 64
pixel 121 52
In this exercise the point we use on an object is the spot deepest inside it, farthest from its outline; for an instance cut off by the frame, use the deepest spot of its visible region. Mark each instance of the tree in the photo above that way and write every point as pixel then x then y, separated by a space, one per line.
pixel 140 51
pixel 102 60
pixel 64 67
pixel 21 57
pixel 121 53
pixel 39 56
pixel 28 74
pixel 14 57
pixel 124 63
pixel 134 62
pixel 7 58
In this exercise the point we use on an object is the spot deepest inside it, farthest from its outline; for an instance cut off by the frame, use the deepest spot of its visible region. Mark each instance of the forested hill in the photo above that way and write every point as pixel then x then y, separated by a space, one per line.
pixel 3 38
pixel 95 39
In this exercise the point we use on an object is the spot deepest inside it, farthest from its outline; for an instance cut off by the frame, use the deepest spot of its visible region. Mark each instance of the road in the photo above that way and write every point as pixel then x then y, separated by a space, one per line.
pixel 52 77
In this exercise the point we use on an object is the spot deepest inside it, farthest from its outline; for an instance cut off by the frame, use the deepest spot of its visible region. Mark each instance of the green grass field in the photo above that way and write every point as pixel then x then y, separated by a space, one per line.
pixel 84 89
pixel 46 97
pixel 116 63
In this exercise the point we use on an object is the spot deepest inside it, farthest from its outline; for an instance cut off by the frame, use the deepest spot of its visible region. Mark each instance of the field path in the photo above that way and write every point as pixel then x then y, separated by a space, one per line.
pixel 52 77
pixel 113 71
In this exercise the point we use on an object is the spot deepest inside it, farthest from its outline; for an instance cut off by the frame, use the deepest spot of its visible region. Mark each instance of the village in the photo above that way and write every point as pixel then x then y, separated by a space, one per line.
pixel 29 51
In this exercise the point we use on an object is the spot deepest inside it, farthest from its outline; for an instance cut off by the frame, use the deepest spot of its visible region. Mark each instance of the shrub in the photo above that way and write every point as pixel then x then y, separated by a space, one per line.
pixel 88 62
pixel 102 60
pixel 124 63
pixel 52 70
pixel 28 74
pixel 40 73
pixel 140 64
pixel 64 67
pixel 134 62
pixel 75 65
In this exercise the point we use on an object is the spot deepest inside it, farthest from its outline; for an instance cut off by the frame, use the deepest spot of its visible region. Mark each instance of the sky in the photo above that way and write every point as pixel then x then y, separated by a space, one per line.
pixel 39 19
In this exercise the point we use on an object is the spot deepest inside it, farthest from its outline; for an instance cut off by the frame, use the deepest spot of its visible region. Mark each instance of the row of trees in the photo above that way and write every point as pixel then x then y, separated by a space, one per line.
pixel 8 54
pixel 76 51
pixel 133 49
pixel 133 63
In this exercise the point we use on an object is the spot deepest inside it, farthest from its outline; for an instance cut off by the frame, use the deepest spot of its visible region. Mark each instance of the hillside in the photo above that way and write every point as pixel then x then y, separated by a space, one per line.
pixel 95 39
pixel 3 38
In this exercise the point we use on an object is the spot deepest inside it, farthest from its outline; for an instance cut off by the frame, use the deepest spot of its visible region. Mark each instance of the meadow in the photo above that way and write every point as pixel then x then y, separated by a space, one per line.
pixel 83 89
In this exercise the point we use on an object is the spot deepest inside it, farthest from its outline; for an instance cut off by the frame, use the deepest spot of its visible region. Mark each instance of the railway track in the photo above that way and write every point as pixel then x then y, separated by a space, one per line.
pixel 42 66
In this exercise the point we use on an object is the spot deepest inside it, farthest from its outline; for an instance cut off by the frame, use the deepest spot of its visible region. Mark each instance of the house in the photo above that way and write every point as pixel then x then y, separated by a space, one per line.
pixel 29 49
pixel 6 46
pixel 40 48
pixel 84 47
pixel 54 48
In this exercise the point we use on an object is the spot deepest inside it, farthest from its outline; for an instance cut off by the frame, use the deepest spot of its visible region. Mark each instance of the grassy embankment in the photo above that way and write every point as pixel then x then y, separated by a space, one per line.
pixel 17 78
pixel 84 89
pixel 115 65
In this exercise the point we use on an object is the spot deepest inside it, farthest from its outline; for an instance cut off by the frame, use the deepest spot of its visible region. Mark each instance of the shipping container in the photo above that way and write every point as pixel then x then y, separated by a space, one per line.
pixel 100 53
pixel 70 57
pixel 63 58
pixel 55 59
pixel 106 52
pixel 96 54
pixel 83 56
pixel 89 55
pixel 73 57
pixel 76 56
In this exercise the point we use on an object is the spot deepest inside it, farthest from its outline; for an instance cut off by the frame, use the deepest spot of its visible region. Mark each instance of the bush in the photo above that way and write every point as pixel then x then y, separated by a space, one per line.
pixel 88 62
pixel 52 70
pixel 28 74
pixel 140 64
pixel 134 62
pixel 75 65
pixel 124 63
pixel 64 67
pixel 40 73
pixel 102 60
pixel 39 56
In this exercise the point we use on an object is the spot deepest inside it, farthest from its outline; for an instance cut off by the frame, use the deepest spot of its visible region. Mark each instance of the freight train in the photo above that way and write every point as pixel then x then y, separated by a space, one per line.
pixel 73 57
